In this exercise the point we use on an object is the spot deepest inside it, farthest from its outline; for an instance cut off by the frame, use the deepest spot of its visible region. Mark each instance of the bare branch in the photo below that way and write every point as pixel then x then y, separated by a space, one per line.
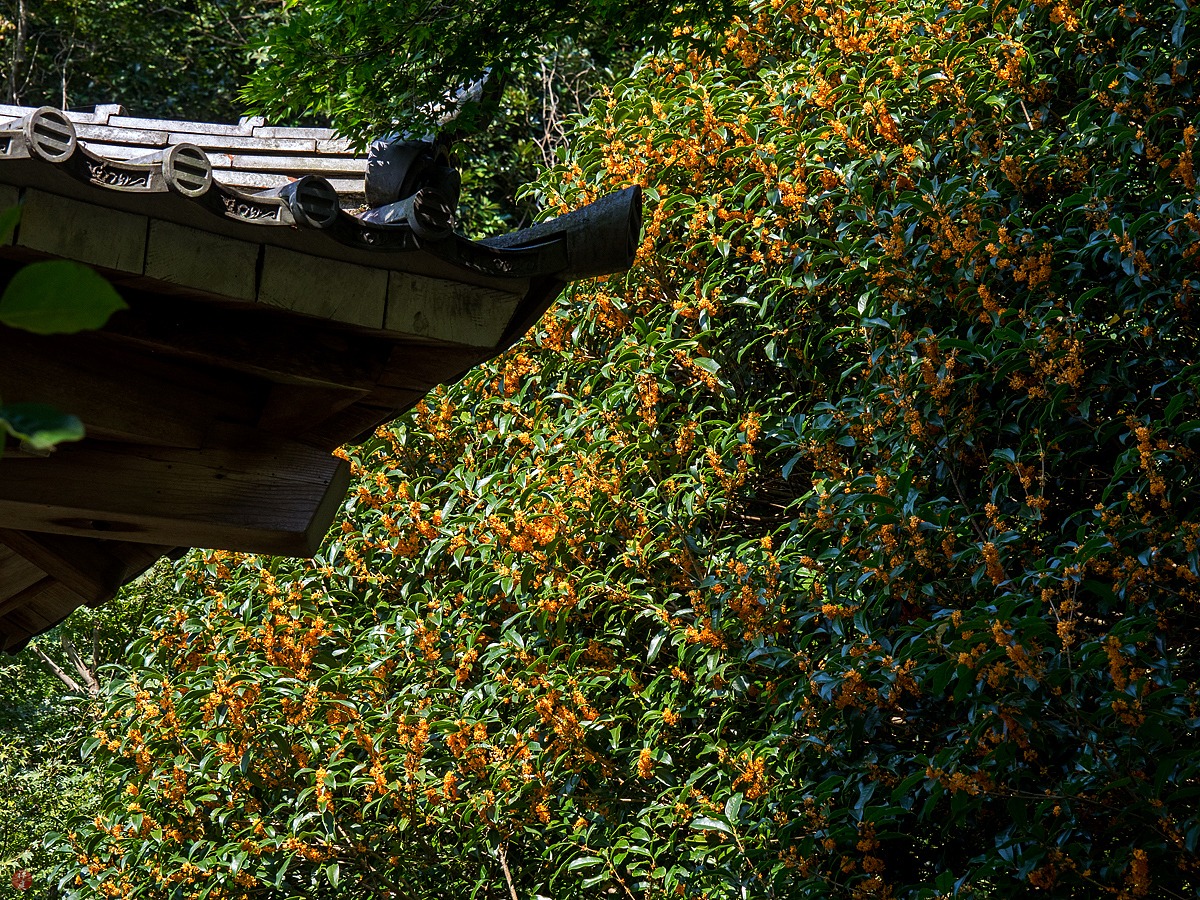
pixel 88 676
pixel 512 888
pixel 62 676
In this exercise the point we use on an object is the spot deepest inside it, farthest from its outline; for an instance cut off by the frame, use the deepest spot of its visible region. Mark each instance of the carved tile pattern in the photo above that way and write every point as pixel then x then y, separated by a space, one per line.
pixel 102 174
pixel 251 212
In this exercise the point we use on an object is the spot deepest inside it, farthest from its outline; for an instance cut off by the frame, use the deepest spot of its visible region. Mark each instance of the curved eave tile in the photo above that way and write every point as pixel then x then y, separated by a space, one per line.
pixel 598 239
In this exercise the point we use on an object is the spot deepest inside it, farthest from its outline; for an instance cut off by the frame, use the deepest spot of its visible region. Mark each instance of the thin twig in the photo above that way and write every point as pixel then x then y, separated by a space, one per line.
pixel 507 874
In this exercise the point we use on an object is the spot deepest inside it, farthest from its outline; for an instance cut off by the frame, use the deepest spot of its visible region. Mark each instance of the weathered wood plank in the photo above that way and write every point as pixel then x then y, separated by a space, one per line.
pixel 259 341
pixel 96 133
pixel 353 422
pixel 251 181
pixel 261 181
pixel 27 595
pixel 418 367
pixel 228 142
pixel 94 570
pixel 336 145
pixel 82 231
pixel 260 496
pixel 272 131
pixel 202 260
pixel 321 165
pixel 121 394
pixel 117 151
pixel 135 559
pixel 323 288
pixel 85 566
pixel 44 606
pixel 293 409
pixel 447 310
pixel 99 115
pixel 9 197
pixel 178 125
pixel 16 572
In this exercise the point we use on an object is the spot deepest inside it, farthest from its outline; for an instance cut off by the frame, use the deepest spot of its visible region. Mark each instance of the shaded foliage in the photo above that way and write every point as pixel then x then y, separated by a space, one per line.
pixel 44 722
pixel 406 65
pixel 39 785
pixel 181 60
pixel 528 131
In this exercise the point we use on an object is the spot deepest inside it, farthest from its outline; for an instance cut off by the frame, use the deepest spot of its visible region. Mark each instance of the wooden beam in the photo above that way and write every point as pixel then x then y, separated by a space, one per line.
pixel 323 288
pixel 258 341
pixel 85 566
pixel 41 607
pixel 29 595
pixel 253 494
pixel 293 409
pixel 83 231
pixel 53 604
pixel 420 367
pixel 353 423
pixel 202 260
pixel 123 394
pixel 9 196
pixel 16 573
pixel 135 559
pixel 448 310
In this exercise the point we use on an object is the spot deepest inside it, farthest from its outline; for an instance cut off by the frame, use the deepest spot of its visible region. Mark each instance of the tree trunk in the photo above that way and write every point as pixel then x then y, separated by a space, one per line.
pixel 18 51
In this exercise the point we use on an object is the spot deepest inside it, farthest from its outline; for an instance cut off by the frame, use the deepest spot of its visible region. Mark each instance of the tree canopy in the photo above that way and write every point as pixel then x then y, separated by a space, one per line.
pixel 407 65
pixel 847 547
pixel 182 60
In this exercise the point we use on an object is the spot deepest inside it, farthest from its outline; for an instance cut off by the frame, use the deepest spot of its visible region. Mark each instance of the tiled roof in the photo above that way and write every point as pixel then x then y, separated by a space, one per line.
pixel 272 318
pixel 250 155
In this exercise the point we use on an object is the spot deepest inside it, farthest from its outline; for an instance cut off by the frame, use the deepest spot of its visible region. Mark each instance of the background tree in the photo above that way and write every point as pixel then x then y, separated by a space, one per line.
pixel 527 132
pixel 846 548
pixel 543 62
pixel 406 65
pixel 47 712
pixel 182 60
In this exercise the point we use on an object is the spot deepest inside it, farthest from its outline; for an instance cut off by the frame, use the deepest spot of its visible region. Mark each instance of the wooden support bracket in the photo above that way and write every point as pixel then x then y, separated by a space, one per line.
pixel 93 569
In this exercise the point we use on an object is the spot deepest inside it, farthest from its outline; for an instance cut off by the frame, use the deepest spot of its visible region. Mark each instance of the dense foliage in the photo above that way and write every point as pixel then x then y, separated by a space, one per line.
pixel 377 66
pixel 182 60
pixel 47 712
pixel 529 126
pixel 41 785
pixel 845 548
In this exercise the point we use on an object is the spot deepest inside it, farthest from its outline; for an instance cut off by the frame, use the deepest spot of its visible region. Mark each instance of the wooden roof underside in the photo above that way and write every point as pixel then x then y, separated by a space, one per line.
pixel 258 339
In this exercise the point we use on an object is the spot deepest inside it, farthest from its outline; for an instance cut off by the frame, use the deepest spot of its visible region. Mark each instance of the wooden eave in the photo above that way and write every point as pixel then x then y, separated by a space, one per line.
pixel 268 325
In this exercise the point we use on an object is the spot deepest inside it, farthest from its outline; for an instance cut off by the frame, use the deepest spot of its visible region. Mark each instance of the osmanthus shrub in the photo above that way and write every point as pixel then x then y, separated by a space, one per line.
pixel 846 548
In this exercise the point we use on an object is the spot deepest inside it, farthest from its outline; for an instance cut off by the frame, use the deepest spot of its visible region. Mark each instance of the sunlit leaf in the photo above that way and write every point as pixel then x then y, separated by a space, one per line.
pixel 58 297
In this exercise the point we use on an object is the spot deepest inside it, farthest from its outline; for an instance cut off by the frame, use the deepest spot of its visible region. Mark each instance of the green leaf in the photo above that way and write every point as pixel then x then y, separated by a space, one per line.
pixel 583 862
pixel 656 643
pixel 40 426
pixel 705 823
pixel 733 807
pixel 58 297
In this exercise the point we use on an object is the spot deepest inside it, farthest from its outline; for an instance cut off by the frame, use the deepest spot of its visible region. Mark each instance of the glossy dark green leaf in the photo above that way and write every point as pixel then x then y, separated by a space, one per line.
pixel 40 426
pixel 58 297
